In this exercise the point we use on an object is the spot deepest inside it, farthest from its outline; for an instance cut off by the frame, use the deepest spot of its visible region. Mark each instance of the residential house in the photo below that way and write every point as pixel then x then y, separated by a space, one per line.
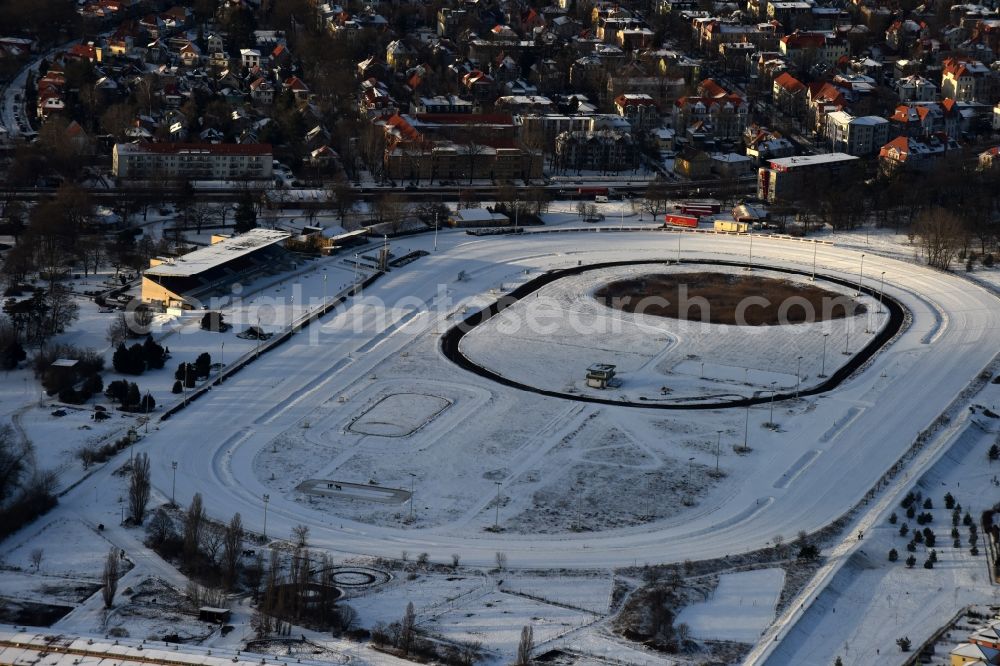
pixel 805 49
pixel 640 110
pixel 856 136
pixel 250 58
pixel 908 154
pixel 970 653
pixel 725 117
pixel 967 80
pixel 789 94
pixel 926 119
pixel 601 150
pixel 693 163
pixel 915 88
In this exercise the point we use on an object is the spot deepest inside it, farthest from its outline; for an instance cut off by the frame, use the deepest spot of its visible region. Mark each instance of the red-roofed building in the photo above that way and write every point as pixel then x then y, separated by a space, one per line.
pixel 968 80
pixel 789 94
pixel 718 117
pixel 641 111
pixel 906 153
pixel 926 119
pixel 805 49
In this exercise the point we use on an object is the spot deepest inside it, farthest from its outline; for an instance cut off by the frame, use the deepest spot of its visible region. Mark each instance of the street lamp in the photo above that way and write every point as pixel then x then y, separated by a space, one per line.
pixel 861 274
pixel 678 247
pixel 435 231
pixel 324 285
pixel 412 477
pixel 822 372
pixel 267 498
pixel 881 285
pixel 356 259
pixel 847 339
pixel 718 446
pixel 798 376
pixel 259 336
pixel 746 430
pixel 770 418
pixel 173 485
pixel 496 522
pixel 815 246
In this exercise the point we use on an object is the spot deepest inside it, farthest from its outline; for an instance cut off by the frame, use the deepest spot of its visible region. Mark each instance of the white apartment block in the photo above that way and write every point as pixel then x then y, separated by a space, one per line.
pixel 192 161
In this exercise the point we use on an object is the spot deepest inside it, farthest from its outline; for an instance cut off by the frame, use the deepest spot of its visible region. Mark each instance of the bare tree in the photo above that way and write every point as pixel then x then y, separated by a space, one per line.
pixel 138 488
pixel 941 235
pixel 301 535
pixel 37 555
pixel 109 578
pixel 525 646
pixel 408 628
pixel 193 524
pixel 231 549
pixel 501 558
pixel 211 540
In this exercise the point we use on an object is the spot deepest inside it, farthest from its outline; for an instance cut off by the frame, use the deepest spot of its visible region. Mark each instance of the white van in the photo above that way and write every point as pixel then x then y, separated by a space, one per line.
pixel 601 198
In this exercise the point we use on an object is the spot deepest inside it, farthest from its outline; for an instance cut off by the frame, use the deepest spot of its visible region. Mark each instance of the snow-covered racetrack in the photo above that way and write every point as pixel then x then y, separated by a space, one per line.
pixel 953 336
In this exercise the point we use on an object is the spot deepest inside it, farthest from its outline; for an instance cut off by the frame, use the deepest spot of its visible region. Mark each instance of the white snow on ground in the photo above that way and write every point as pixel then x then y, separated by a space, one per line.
pixel 740 608
pixel 283 415
pixel 872 602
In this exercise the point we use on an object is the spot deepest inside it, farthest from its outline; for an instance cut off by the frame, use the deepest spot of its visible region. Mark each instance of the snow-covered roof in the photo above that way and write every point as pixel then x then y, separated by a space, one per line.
pixel 220 253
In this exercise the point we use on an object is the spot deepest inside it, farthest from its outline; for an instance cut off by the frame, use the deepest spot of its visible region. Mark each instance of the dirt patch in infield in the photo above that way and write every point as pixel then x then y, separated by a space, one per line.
pixel 720 298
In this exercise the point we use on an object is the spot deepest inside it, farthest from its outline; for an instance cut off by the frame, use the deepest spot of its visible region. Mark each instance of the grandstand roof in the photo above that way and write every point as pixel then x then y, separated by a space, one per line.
pixel 218 254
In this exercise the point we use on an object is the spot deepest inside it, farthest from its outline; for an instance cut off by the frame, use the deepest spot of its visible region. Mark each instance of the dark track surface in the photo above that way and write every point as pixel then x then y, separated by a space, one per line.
pixel 451 339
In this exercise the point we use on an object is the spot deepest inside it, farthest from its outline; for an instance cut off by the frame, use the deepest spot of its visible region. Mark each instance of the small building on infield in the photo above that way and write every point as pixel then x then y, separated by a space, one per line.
pixel 190 279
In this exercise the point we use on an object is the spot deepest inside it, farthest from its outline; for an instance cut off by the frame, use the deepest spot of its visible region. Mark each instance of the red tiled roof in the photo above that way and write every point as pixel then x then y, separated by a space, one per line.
pixel 789 83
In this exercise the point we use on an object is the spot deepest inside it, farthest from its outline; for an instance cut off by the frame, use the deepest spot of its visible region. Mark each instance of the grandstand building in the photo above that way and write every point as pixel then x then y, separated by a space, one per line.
pixel 190 280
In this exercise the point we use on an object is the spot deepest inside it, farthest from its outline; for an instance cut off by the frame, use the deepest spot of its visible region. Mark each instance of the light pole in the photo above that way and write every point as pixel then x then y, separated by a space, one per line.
pixel 516 208
pixel 356 259
pixel 881 285
pixel 746 430
pixel 798 376
pixel 267 498
pixel 145 425
pixel 324 285
pixel 435 231
pixel 847 340
pixel 496 521
pixel 718 447
pixel 822 372
pixel 412 477
pixel 815 246
pixel 678 247
pixel 770 418
pixel 861 274
pixel 187 372
pixel 750 258
pixel 173 484
pixel 260 334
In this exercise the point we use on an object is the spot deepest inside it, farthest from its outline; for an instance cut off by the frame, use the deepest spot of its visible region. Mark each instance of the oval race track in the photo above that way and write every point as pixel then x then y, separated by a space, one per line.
pixel 217 438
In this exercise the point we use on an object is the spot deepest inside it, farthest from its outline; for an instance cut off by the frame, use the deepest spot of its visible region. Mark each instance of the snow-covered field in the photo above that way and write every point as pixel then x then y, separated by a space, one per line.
pixel 740 609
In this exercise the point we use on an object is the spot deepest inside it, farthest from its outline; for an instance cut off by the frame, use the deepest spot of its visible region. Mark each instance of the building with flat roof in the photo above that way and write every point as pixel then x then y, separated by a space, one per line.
pixel 192 161
pixel 190 279
pixel 782 179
